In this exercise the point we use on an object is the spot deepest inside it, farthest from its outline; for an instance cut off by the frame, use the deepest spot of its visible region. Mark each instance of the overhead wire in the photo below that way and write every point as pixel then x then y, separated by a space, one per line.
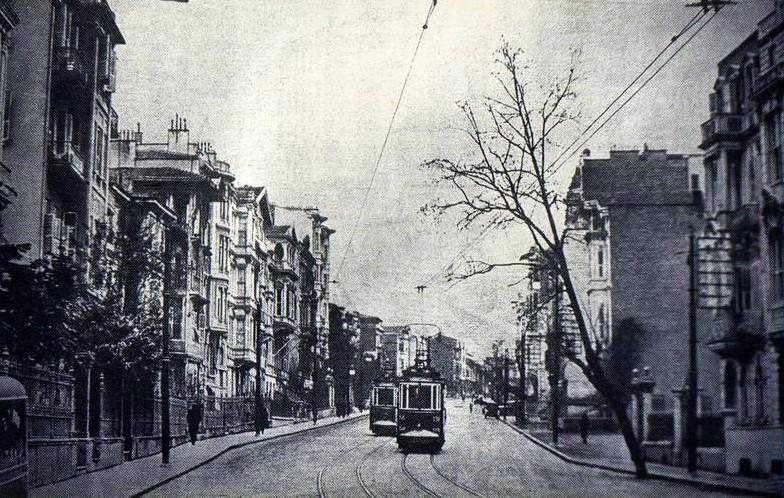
pixel 689 25
pixel 386 140
pixel 638 90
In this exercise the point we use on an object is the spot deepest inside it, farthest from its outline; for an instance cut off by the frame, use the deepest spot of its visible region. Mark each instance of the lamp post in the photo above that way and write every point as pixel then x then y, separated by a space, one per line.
pixel 640 386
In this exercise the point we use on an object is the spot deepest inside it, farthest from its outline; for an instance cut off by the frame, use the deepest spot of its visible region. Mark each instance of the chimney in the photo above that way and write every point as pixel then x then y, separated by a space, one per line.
pixel 178 135
pixel 137 135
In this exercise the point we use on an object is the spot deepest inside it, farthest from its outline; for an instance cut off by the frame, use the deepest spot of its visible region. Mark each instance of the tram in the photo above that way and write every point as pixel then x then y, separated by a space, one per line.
pixel 421 415
pixel 383 406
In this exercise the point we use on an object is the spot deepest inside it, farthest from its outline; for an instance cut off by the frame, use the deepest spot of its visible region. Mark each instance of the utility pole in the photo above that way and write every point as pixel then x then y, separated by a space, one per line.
pixel 257 401
pixel 506 382
pixel 314 330
pixel 165 360
pixel 691 416
pixel 555 388
pixel 522 413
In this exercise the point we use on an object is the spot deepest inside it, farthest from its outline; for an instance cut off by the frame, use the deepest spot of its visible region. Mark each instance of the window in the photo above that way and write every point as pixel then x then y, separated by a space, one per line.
pixel 384 396
pixel 223 253
pixel 760 381
pixel 742 289
pixel 242 233
pixel 600 261
pixel 695 182
pixel 777 264
pixel 7 106
pixel 98 169
pixel 279 301
pixel 223 208
pixel 773 144
pixel 713 179
pixel 421 396
pixel 241 332
pixel 735 175
pixel 241 285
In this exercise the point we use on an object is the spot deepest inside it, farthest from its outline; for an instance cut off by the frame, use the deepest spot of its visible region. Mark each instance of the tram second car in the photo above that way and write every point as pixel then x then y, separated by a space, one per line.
pixel 383 408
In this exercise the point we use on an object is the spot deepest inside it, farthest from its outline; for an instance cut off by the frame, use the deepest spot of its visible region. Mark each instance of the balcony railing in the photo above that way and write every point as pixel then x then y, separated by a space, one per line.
pixel 66 153
pixel 722 127
pixel 243 354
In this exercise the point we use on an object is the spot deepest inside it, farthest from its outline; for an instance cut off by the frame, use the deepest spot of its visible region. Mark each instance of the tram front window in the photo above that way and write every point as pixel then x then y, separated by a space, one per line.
pixel 385 397
pixel 420 397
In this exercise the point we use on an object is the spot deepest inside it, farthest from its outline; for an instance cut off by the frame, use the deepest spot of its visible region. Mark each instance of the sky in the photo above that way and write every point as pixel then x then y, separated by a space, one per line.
pixel 297 96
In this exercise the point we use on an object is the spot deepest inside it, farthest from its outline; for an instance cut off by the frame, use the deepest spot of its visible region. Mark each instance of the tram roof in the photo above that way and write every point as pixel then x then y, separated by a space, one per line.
pixel 11 389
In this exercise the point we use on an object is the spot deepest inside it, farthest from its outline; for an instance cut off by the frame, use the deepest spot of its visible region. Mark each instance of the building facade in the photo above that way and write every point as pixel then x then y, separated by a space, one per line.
pixel 58 122
pixel 744 167
pixel 630 217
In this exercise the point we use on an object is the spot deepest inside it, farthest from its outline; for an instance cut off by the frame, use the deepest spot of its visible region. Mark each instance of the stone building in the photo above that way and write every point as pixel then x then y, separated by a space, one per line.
pixel 744 166
pixel 184 177
pixel 629 216
pixel 58 121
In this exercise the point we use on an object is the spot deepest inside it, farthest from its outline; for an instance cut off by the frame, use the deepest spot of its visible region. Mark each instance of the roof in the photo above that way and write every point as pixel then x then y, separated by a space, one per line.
pixel 164 154
pixel 651 177
pixel 11 389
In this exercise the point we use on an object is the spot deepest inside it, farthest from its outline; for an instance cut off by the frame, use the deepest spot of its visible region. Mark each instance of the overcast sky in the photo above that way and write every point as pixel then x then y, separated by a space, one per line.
pixel 297 96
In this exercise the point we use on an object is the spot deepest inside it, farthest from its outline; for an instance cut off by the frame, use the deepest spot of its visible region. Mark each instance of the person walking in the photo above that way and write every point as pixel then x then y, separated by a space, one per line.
pixel 470 407
pixel 584 426
pixel 263 417
pixel 194 419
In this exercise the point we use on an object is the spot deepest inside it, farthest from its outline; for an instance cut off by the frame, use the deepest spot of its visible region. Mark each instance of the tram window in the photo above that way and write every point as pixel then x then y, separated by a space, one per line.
pixel 419 396
pixel 12 434
pixel 385 397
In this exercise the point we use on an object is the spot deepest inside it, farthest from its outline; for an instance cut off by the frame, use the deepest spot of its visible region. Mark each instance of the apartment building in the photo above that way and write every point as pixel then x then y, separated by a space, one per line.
pixel 185 177
pixel 58 121
pixel 744 173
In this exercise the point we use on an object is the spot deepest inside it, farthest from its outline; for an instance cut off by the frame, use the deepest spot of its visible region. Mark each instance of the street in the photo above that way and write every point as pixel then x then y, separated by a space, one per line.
pixel 481 457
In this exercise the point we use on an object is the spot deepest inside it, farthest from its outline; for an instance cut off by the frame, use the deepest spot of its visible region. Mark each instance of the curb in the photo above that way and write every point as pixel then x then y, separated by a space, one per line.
pixel 241 445
pixel 652 475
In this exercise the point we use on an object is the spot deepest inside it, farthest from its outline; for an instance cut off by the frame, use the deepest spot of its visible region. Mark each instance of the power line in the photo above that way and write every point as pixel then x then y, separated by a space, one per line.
pixel 697 17
pixel 643 85
pixel 386 139
pixel 692 22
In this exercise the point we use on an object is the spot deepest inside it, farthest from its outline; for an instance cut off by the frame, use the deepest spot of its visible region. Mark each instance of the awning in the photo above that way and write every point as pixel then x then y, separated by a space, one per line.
pixel 11 389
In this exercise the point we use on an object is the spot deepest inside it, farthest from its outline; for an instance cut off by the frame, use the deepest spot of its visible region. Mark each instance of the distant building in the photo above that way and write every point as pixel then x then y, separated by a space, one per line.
pixel 446 356
pixel 399 348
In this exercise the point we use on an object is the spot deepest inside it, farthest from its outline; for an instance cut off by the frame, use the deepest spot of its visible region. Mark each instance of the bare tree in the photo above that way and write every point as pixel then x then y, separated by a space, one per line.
pixel 512 181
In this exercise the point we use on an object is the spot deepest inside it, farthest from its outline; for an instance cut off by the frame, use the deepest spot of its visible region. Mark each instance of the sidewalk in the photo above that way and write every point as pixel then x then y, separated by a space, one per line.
pixel 608 452
pixel 140 476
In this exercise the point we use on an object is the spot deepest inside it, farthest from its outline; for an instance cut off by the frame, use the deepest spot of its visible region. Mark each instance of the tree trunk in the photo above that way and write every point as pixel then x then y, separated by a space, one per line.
pixel 627 429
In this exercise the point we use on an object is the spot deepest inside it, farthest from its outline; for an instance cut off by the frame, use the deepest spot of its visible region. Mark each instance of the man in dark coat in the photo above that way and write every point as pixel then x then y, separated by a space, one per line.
pixel 194 419
pixel 263 417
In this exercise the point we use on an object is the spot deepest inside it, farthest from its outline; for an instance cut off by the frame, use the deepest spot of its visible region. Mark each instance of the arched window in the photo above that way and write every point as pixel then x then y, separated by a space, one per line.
pixel 730 385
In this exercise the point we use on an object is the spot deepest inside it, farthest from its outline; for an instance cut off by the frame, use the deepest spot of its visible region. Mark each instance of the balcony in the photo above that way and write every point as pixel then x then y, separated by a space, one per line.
pixel 243 354
pixel 721 127
pixel 65 154
pixel 245 302
pixel 737 336
pixel 281 322
pixel 69 67
pixel 744 218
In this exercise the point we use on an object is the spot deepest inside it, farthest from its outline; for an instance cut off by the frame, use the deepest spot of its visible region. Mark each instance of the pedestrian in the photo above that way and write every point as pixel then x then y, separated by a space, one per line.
pixel 263 417
pixel 470 407
pixel 584 425
pixel 194 419
pixel 484 411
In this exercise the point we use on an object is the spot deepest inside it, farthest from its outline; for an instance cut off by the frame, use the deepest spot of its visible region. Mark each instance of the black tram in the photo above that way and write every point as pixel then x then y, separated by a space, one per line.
pixel 421 415
pixel 383 406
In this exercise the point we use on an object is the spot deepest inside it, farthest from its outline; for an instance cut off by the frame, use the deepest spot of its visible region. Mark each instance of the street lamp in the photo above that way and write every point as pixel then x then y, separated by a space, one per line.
pixel 640 386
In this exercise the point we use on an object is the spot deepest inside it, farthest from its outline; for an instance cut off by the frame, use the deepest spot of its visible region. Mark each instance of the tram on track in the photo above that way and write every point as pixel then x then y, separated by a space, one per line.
pixel 421 415
pixel 383 406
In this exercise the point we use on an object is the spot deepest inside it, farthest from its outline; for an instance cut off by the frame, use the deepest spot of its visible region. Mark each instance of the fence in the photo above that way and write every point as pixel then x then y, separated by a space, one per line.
pixel 228 415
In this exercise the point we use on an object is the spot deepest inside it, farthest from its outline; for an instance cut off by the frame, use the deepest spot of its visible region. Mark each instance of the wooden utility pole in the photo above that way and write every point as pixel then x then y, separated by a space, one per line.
pixel 165 360
pixel 691 416
pixel 556 362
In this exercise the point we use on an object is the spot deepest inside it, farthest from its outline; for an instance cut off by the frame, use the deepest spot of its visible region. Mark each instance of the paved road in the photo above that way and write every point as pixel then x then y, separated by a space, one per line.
pixel 480 458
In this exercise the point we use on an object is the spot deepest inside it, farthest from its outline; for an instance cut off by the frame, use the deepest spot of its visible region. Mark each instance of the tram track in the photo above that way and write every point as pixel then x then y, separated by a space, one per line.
pixel 428 489
pixel 357 470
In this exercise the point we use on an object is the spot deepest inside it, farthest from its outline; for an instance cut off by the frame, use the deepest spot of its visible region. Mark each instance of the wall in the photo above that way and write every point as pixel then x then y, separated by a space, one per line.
pixel 650 288
pixel 26 152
